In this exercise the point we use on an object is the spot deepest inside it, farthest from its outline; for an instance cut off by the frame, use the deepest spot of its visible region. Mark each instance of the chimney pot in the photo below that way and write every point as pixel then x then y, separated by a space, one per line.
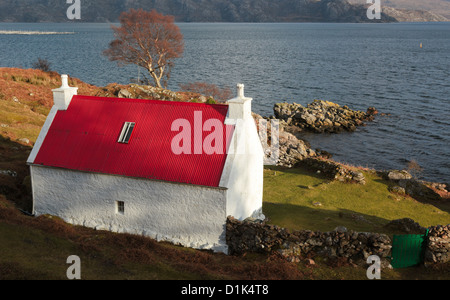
pixel 65 81
pixel 240 88
pixel 63 95
pixel 240 108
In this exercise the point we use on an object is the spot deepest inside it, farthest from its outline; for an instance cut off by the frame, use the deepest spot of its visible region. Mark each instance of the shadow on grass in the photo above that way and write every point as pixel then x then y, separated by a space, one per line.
pixel 300 170
pixel 295 217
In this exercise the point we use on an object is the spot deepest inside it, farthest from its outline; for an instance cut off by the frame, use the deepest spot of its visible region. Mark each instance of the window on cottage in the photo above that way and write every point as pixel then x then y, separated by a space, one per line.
pixel 127 130
pixel 120 207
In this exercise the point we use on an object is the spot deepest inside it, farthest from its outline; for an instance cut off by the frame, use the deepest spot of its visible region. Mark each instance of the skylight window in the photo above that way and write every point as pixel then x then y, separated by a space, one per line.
pixel 127 130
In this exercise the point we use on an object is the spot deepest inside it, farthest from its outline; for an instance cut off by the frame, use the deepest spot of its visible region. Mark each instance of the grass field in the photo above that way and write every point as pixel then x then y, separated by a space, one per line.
pixel 301 199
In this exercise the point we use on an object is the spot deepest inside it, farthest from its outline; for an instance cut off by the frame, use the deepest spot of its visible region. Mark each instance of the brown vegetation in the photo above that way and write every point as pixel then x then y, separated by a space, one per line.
pixel 208 90
pixel 34 86
pixel 119 250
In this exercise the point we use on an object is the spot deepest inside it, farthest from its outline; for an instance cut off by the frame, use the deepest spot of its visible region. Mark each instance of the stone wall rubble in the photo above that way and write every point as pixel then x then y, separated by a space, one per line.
pixel 438 250
pixel 259 237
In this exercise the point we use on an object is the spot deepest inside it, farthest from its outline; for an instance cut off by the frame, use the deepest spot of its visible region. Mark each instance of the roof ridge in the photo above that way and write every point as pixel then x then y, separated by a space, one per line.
pixel 154 101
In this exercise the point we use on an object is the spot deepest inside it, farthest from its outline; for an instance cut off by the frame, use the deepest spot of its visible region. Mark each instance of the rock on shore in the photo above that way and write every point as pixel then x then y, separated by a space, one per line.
pixel 292 149
pixel 322 116
pixel 402 182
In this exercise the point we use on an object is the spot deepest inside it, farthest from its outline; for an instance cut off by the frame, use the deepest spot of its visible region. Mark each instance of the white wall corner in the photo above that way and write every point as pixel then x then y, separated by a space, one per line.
pixel 63 95
pixel 244 167
pixel 42 134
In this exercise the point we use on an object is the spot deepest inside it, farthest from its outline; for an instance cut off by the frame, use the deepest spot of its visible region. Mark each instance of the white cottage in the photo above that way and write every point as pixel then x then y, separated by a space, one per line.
pixel 172 171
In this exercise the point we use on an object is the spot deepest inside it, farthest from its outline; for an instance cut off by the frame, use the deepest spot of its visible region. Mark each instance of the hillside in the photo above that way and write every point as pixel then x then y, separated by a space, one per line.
pixel 25 100
pixel 440 7
pixel 37 248
pixel 203 11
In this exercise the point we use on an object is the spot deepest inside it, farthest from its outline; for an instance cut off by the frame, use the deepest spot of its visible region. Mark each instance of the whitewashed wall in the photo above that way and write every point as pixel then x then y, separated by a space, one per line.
pixel 244 173
pixel 192 216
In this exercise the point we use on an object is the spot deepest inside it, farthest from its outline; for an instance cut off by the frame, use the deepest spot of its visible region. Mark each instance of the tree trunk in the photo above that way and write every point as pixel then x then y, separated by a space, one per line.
pixel 157 81
pixel 155 77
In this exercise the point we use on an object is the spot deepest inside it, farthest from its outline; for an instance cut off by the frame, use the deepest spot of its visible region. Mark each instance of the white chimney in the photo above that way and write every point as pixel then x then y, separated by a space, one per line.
pixel 63 95
pixel 240 108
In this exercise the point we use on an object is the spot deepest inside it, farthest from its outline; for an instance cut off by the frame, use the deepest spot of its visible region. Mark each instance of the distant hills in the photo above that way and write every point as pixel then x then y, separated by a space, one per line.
pixel 224 10
pixel 439 7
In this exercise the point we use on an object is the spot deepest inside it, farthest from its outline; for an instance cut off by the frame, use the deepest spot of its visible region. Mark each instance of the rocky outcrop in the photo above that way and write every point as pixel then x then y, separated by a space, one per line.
pixel 402 182
pixel 404 15
pixel 333 170
pixel 291 149
pixel 134 91
pixel 294 151
pixel 399 175
pixel 322 116
pixel 439 7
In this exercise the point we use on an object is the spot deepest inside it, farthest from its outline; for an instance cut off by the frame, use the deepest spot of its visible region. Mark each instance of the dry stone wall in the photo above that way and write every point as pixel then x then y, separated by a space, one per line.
pixel 255 236
pixel 260 237
pixel 438 250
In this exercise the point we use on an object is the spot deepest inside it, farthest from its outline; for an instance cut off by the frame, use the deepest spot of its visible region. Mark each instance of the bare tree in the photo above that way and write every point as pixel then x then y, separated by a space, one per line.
pixel 149 40
pixel 42 64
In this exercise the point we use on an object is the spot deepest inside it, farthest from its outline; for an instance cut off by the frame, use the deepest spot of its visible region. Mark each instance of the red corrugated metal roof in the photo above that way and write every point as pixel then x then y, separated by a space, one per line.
pixel 85 138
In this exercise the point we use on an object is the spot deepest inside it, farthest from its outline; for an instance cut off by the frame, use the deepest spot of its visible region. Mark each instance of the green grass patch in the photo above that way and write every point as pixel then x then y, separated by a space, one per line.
pixel 300 199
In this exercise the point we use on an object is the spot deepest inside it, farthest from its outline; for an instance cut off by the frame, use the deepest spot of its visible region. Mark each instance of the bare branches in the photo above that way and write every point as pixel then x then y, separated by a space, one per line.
pixel 149 40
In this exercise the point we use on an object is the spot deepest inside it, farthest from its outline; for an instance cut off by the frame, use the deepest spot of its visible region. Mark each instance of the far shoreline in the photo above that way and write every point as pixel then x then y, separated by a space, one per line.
pixel 26 32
